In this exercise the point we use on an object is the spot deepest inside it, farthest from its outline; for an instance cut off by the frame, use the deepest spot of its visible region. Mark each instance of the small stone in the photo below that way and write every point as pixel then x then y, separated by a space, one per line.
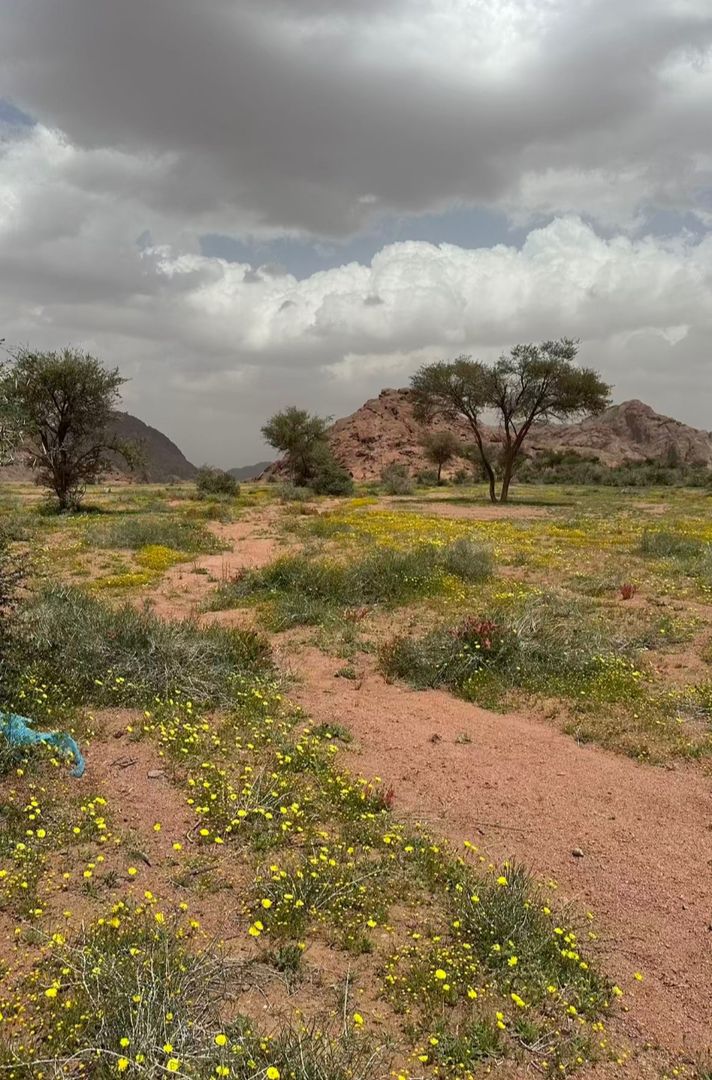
pixel 577 853
pixel 155 774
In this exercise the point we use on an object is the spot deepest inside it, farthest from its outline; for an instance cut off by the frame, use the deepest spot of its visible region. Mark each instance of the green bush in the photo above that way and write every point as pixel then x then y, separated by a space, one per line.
pixel 569 467
pixel 554 645
pixel 288 492
pixel 467 560
pixel 661 543
pixel 396 480
pixel 327 476
pixel 309 590
pixel 211 481
pixel 427 478
pixel 109 655
pixel 142 531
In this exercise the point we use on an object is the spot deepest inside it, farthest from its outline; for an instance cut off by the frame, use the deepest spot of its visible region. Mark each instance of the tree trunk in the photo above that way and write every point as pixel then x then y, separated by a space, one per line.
pixel 507 476
pixel 510 461
pixel 440 469
pixel 491 478
pixel 489 471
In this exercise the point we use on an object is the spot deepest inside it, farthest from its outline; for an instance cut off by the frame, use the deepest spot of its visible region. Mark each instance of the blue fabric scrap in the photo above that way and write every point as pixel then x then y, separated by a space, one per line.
pixel 18 732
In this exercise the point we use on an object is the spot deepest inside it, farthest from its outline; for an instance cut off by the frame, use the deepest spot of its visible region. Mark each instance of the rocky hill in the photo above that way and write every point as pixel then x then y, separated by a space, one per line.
pixel 385 431
pixel 161 460
pixel 249 472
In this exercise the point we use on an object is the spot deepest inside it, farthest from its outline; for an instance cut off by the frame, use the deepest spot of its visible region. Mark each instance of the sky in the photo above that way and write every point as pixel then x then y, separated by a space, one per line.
pixel 245 204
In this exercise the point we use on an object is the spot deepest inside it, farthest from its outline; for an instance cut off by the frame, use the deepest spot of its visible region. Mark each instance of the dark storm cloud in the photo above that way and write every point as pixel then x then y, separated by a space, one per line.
pixel 315 116
pixel 244 203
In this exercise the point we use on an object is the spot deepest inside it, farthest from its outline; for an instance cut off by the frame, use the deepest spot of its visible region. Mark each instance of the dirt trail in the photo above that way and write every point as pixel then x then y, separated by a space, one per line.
pixel 522 790
pixel 183 588
pixel 474 511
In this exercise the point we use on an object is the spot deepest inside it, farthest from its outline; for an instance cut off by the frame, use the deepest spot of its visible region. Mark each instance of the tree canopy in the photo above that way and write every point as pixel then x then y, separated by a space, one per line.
pixel 64 402
pixel 296 433
pixel 440 447
pixel 302 438
pixel 531 383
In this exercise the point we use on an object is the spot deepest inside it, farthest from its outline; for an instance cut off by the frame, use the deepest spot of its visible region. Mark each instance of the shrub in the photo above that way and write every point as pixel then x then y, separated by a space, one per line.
pixel 308 590
pixel 553 645
pixel 396 480
pixel 662 543
pixel 109 655
pixel 129 977
pixel 569 467
pixel 327 475
pixel 289 492
pixel 427 478
pixel 211 481
pixel 467 560
pixel 191 537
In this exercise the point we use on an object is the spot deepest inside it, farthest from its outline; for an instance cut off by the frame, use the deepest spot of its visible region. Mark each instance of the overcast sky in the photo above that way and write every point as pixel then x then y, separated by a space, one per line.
pixel 250 203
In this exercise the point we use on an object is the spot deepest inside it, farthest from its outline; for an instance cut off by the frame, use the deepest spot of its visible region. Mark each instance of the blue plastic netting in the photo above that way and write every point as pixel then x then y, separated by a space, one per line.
pixel 18 732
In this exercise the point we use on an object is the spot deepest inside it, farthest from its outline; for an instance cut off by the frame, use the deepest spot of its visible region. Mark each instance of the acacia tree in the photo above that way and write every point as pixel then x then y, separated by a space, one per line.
pixel 440 447
pixel 300 436
pixel 530 384
pixel 66 401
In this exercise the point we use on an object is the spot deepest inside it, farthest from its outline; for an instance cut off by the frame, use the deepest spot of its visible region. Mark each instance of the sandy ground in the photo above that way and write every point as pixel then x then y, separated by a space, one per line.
pixel 521 790
pixel 182 589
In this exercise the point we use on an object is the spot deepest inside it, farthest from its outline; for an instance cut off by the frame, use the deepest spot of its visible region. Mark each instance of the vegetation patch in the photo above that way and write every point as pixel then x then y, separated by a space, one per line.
pixel 688 552
pixel 120 655
pixel 308 590
pixel 141 531
pixel 326 864
pixel 552 645
pixel 158 557
pixel 376 950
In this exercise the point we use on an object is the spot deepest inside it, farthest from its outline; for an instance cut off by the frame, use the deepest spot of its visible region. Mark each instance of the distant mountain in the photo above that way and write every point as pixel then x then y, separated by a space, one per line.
pixel 249 472
pixel 384 431
pixel 161 460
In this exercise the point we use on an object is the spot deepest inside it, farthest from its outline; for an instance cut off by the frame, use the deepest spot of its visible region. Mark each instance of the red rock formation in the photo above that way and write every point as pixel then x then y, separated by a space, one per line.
pixel 385 431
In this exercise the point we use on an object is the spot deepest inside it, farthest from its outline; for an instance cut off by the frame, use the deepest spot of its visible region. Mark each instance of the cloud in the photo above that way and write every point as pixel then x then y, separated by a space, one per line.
pixel 315 117
pixel 138 142
pixel 212 347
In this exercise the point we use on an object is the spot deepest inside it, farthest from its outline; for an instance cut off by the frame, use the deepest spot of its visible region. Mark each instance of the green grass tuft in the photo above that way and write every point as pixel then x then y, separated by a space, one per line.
pixel 119 655
pixel 308 591
pixel 136 532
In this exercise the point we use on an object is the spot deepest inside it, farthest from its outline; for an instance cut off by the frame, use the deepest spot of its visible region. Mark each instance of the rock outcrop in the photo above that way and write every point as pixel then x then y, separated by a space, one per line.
pixel 384 431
